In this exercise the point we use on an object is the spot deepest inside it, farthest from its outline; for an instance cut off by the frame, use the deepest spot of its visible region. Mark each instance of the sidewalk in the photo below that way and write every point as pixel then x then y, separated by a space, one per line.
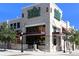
pixel 36 53
pixel 14 53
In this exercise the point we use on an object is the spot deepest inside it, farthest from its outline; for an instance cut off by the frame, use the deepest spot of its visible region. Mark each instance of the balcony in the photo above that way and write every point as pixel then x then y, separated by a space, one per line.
pixel 33 34
pixel 37 30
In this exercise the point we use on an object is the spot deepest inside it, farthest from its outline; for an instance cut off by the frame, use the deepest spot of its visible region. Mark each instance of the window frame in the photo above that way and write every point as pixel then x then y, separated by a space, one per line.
pixel 47 9
pixel 18 23
pixel 57 14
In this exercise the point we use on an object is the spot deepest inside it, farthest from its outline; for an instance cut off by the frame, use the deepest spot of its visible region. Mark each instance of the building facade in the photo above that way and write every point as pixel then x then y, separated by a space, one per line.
pixel 42 26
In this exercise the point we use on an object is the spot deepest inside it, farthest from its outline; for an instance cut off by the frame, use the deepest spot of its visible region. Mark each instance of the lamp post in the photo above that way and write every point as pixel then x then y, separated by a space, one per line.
pixel 21 38
pixel 64 45
pixel 65 40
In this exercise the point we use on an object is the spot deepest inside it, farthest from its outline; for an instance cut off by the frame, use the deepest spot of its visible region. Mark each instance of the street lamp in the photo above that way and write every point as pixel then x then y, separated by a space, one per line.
pixel 64 45
pixel 21 39
pixel 65 39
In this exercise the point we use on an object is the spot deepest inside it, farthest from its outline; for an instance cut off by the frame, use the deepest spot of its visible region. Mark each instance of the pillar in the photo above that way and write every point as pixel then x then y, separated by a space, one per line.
pixel 48 38
pixel 62 40
pixel 25 46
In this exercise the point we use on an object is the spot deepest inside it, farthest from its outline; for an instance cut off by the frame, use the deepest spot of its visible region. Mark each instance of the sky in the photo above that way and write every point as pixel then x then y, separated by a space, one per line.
pixel 70 13
pixel 9 11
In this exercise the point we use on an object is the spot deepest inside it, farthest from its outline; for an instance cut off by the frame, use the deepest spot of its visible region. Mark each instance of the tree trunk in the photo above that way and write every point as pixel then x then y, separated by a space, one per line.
pixel 4 46
pixel 8 45
pixel 73 48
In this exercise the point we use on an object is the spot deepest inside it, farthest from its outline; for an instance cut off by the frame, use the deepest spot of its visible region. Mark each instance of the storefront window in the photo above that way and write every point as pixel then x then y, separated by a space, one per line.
pixel 54 40
pixel 42 40
pixel 18 32
pixel 35 29
pixel 39 40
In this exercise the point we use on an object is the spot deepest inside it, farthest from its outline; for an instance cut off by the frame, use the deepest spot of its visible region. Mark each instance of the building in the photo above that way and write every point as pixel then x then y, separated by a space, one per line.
pixel 42 26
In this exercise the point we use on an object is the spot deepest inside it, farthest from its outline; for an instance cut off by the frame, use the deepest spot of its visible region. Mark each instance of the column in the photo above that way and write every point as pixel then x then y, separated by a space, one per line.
pixel 62 43
pixel 24 38
pixel 62 39
pixel 48 38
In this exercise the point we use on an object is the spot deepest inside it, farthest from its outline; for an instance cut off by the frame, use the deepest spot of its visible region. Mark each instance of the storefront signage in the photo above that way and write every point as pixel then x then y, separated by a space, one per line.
pixel 34 12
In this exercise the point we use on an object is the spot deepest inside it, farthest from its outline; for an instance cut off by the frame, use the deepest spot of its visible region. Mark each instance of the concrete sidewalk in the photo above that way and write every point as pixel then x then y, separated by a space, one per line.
pixel 37 53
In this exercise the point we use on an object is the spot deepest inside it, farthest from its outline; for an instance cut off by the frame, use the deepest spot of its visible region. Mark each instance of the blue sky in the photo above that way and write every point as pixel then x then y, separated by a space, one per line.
pixel 70 13
pixel 12 10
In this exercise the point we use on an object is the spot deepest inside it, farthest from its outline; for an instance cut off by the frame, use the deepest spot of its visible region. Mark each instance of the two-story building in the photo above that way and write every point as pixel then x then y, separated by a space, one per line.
pixel 43 26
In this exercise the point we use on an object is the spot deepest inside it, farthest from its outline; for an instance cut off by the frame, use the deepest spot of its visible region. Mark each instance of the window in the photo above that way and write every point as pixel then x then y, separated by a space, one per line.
pixel 56 29
pixel 22 15
pixel 42 40
pixel 11 25
pixel 54 40
pixel 34 12
pixel 18 25
pixel 14 25
pixel 57 14
pixel 39 8
pixel 1 27
pixel 47 9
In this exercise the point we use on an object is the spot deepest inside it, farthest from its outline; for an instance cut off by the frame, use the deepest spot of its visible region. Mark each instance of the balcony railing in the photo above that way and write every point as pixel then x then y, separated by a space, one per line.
pixel 35 33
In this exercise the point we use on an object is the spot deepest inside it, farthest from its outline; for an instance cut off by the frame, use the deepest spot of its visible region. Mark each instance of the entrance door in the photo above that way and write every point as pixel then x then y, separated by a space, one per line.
pixel 54 43
pixel 31 41
pixel 57 43
pixel 38 40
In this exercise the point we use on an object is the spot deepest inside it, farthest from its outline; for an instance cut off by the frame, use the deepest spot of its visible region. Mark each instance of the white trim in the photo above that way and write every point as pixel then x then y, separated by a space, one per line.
pixel 34 25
